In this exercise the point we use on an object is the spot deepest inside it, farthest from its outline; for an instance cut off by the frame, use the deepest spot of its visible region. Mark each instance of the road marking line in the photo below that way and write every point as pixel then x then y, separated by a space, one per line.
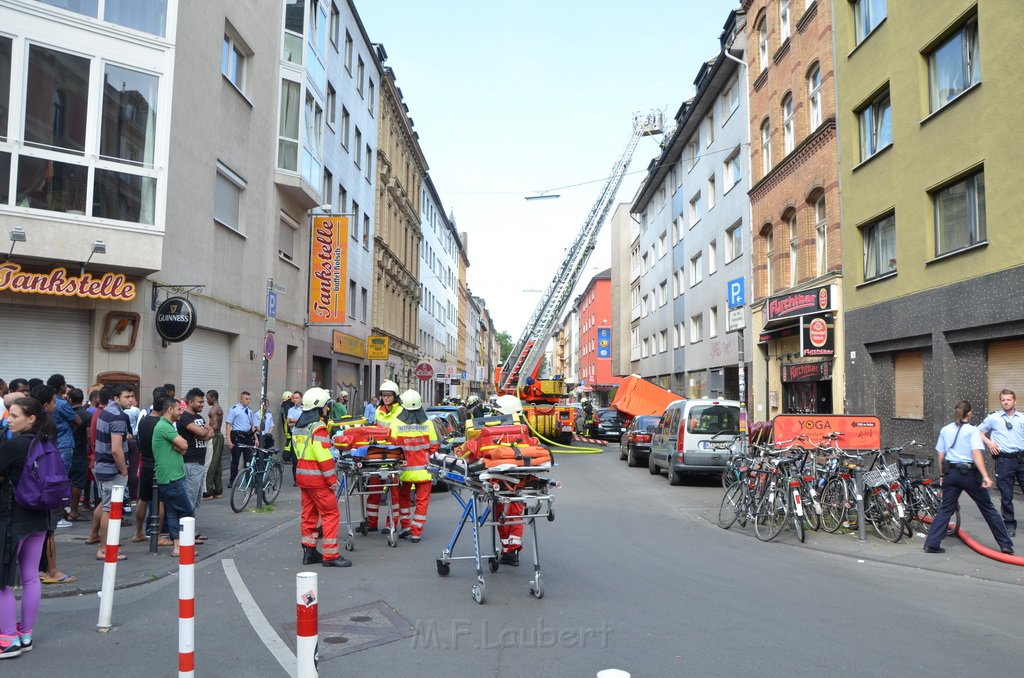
pixel 259 622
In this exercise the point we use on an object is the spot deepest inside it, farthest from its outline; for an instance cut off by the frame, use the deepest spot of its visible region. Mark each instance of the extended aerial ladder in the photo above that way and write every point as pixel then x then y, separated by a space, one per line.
pixel 519 373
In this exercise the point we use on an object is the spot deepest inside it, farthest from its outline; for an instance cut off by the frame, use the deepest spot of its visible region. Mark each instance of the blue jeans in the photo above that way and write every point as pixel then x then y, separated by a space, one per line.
pixel 177 505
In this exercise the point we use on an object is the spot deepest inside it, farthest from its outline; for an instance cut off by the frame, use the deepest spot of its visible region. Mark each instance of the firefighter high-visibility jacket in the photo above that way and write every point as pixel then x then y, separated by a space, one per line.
pixel 385 417
pixel 417 442
pixel 314 466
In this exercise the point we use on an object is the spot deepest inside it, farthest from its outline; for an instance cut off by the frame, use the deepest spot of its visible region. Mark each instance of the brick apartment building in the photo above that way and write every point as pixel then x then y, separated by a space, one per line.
pixel 794 201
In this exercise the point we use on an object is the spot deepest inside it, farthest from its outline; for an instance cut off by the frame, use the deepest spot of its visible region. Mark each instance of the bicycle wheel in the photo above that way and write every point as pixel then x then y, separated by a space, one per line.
pixel 811 515
pixel 241 491
pixel 770 516
pixel 798 520
pixel 732 504
pixel 271 483
pixel 885 517
pixel 729 475
pixel 834 501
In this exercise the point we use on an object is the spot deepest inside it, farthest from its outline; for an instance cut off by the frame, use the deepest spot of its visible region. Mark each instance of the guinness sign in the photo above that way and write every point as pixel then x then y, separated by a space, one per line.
pixel 176 319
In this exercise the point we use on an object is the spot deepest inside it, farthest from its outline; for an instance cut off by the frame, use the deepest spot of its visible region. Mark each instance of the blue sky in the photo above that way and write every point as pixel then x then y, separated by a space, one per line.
pixel 511 98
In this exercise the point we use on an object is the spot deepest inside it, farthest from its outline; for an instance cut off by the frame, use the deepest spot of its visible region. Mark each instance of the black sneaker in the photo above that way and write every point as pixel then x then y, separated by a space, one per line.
pixel 937 549
pixel 337 562
pixel 510 558
pixel 1008 551
pixel 405 534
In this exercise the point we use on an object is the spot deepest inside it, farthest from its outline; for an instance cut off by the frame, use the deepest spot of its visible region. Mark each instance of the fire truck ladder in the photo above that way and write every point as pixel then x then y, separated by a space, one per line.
pixel 527 353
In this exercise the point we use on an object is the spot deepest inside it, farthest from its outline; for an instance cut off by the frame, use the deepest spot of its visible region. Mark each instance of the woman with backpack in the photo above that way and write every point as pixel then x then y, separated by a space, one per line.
pixel 22 530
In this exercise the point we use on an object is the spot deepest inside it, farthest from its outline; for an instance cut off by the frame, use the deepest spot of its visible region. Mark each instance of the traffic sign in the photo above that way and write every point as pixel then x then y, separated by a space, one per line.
pixel 268 346
pixel 424 371
pixel 271 304
pixel 736 320
pixel 735 293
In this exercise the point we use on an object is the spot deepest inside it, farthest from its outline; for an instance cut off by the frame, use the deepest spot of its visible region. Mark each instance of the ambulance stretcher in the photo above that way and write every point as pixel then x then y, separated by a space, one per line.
pixel 366 471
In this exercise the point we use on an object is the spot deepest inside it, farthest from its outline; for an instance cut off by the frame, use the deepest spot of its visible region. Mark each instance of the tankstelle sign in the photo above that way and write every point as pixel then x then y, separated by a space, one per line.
pixel 111 286
pixel 328 270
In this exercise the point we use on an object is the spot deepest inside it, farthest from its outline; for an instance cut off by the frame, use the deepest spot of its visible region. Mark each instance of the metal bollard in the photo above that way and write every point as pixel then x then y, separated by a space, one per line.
pixel 110 559
pixel 187 598
pixel 306 622
pixel 858 484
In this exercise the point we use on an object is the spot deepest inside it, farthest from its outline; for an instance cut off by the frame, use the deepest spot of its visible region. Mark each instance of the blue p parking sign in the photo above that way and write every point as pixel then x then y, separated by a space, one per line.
pixel 735 293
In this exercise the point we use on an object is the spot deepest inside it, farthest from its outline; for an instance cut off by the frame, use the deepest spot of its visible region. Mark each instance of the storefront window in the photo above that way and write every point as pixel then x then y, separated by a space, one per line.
pixel 125 197
pixel 57 100
pixel 5 177
pixel 129 116
pixel 51 185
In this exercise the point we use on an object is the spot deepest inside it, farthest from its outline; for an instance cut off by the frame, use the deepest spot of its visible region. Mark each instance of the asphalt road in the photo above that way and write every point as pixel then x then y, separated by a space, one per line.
pixel 636 577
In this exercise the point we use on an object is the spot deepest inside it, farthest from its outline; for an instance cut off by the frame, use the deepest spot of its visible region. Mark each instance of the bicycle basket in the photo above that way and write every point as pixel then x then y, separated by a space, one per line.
pixel 883 476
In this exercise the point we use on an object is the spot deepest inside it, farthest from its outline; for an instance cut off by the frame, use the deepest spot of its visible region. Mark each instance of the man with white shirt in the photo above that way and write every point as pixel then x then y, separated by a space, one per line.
pixel 241 432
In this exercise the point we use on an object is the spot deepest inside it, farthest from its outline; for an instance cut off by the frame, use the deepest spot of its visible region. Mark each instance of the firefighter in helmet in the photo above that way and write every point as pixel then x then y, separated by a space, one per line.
pixel 316 477
pixel 386 412
pixel 414 433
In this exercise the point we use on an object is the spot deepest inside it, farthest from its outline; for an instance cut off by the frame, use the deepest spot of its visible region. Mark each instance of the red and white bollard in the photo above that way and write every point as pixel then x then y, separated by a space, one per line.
pixel 306 623
pixel 110 559
pixel 187 598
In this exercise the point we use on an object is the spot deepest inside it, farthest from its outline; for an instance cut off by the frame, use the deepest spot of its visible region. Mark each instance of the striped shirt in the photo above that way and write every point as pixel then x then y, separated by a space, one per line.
pixel 112 421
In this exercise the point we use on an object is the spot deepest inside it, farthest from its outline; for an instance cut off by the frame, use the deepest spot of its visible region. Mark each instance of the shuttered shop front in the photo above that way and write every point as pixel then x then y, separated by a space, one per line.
pixel 206 364
pixel 40 342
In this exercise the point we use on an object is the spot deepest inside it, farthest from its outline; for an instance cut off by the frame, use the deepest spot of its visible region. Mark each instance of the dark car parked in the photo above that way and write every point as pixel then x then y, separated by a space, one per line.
pixel 636 441
pixel 458 412
pixel 609 424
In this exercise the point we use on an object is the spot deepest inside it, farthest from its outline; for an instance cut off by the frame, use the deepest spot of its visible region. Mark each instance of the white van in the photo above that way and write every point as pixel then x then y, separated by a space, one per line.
pixel 695 436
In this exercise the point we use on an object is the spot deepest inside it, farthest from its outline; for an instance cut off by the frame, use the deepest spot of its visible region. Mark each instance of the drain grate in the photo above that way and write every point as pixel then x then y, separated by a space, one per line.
pixel 355 629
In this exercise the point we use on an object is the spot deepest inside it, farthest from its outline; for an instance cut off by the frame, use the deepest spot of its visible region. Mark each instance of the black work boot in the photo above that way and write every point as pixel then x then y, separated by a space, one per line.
pixel 311 556
pixel 509 558
pixel 337 562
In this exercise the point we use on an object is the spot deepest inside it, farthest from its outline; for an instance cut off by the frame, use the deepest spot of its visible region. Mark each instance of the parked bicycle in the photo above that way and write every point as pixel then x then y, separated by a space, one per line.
pixel 263 471
pixel 922 498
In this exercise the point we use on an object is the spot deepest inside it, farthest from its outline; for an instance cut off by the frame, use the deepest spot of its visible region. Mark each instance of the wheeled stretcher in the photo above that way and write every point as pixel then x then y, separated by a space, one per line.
pixel 484 495
pixel 363 472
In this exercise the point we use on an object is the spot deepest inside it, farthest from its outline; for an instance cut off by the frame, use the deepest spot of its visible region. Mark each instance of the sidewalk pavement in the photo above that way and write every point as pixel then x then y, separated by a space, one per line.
pixel 959 559
pixel 215 519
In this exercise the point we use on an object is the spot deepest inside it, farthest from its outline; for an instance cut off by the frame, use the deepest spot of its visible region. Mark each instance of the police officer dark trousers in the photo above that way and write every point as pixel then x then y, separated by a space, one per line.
pixel 959 447
pixel 1003 435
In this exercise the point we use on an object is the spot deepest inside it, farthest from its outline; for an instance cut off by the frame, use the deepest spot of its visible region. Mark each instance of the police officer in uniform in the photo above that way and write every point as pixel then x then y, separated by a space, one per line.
pixel 963 470
pixel 1003 435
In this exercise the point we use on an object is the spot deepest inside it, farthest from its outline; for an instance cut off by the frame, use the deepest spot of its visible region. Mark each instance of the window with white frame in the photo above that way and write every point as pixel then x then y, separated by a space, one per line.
pixel 675 336
pixel 349 48
pixel 766 147
pixel 696 327
pixel 783 20
pixel 335 27
pixel 371 96
pixel 346 123
pixel 709 128
pixel 663 293
pixel 662 248
pixel 369 163
pixel 879 240
pixel 675 284
pixel 233 56
pixel 694 209
pixel 327 192
pixel 634 337
pixel 867 14
pixel 287 232
pixel 227 198
pixel 635 297
pixel 696 274
pixel 694 152
pixel 788 132
pixel 762 44
pixel 713 322
pixel 814 96
pixel 794 249
pixel 960 214
pixel 682 333
pixel 662 341
pixel 680 228
pixel 731 172
pixel 360 76
pixel 711 192
pixel 357 157
pixel 820 235
pixel 875 126
pixel 731 99
pixel 769 248
pixel 644 307
pixel 955 65
pixel 712 257
pixel 645 264
pixel 733 241
pixel 331 104
pixel 634 257
pixel 644 350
